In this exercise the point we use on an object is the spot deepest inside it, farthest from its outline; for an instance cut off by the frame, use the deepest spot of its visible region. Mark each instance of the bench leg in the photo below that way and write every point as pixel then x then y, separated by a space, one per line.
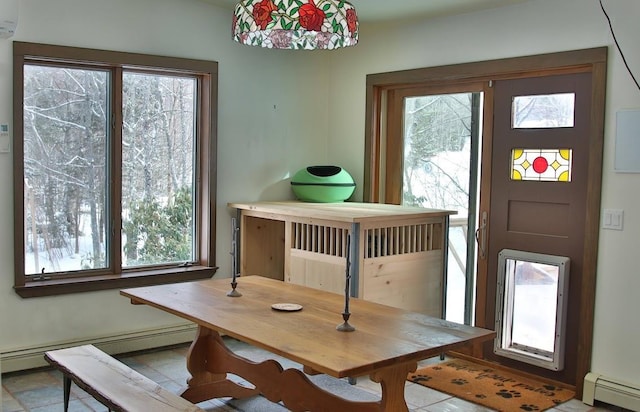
pixel 67 392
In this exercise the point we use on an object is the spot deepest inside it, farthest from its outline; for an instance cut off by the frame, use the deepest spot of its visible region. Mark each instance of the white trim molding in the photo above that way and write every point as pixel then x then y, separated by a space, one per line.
pixel 33 357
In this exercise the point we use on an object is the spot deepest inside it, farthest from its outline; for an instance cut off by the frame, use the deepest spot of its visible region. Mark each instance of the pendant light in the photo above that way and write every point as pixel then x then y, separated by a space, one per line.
pixel 295 24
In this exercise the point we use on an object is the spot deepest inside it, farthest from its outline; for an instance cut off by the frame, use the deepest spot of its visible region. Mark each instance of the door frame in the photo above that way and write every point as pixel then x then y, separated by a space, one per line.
pixel 587 60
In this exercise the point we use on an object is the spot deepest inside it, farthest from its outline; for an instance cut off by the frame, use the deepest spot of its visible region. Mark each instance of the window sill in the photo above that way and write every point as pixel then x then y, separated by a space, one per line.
pixel 53 287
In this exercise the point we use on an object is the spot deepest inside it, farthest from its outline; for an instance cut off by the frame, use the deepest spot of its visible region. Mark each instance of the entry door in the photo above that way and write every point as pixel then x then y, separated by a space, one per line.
pixel 538 196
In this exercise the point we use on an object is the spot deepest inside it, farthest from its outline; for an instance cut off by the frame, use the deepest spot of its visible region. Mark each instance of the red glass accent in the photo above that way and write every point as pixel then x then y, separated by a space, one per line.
pixel 540 165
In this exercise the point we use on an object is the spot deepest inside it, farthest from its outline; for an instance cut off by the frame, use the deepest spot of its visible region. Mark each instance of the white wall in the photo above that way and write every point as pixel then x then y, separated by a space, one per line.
pixel 272 121
pixel 533 27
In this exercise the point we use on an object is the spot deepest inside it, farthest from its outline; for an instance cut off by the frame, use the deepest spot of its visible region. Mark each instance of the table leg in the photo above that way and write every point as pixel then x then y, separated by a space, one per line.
pixel 392 380
pixel 209 361
pixel 205 383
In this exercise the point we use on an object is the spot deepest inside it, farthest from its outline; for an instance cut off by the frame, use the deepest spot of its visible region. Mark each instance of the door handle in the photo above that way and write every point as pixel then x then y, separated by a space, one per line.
pixel 481 236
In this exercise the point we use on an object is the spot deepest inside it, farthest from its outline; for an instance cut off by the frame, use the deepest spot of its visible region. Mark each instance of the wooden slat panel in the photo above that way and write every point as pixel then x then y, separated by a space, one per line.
pixel 413 282
pixel 318 271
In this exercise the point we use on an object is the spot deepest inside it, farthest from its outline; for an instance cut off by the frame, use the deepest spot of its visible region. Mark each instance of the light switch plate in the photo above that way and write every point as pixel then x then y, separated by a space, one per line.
pixel 613 219
pixel 5 141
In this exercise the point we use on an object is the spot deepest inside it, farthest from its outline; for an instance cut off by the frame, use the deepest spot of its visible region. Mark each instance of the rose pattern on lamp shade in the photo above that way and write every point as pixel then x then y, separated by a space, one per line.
pixel 295 24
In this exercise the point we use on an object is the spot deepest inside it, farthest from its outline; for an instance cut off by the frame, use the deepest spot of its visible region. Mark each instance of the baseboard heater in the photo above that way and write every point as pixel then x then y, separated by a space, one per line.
pixel 33 357
pixel 611 391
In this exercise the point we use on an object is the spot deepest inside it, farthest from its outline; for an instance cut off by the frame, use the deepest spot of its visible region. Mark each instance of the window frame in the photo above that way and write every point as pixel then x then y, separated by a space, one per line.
pixel 114 277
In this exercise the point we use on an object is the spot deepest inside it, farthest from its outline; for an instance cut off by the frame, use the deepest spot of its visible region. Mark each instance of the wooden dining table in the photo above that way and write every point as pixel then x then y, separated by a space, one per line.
pixel 386 345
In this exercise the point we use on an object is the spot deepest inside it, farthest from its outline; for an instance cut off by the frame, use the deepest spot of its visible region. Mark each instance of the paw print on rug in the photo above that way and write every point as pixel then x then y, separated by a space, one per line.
pixel 529 407
pixel 481 396
pixel 459 381
pixel 420 378
pixel 508 394
pixel 437 368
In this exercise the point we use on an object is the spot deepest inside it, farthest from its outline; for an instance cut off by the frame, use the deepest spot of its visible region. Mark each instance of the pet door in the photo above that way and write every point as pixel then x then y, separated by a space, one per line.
pixel 531 306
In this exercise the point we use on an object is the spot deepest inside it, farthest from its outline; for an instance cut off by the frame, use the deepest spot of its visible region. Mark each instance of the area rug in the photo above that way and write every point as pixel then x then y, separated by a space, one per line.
pixel 490 387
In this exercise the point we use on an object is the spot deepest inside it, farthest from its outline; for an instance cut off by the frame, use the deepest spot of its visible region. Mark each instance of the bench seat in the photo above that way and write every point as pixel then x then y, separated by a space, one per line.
pixel 112 383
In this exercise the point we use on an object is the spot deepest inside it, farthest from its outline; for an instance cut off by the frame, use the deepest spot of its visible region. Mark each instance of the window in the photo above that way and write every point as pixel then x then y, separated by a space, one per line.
pixel 543 111
pixel 423 151
pixel 440 138
pixel 114 162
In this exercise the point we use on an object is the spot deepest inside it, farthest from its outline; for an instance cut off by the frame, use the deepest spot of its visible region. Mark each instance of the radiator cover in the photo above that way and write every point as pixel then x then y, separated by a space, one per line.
pixel 611 391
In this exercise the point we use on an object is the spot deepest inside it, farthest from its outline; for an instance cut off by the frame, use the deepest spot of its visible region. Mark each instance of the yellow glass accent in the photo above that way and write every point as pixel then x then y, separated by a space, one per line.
pixel 555 165
pixel 565 153
pixel 516 175
pixel 526 164
pixel 517 153
pixel 564 177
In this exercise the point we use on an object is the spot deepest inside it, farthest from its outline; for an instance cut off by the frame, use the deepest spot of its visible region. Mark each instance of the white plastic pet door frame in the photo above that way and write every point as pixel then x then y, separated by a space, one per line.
pixel 531 304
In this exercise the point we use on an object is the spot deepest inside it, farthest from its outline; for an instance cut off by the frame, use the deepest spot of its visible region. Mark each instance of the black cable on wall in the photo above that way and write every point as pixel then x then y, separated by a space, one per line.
pixel 618 45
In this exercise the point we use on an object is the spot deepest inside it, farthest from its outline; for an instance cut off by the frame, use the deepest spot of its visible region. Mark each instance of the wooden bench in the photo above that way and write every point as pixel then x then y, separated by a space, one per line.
pixel 112 383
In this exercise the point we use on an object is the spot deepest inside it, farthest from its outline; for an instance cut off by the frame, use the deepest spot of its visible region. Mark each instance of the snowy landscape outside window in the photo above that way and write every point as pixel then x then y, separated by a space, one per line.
pixel 65 168
pixel 437 173
pixel 111 155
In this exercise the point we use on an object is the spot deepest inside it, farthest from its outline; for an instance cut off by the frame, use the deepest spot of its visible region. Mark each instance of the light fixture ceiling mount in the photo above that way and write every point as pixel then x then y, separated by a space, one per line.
pixel 295 24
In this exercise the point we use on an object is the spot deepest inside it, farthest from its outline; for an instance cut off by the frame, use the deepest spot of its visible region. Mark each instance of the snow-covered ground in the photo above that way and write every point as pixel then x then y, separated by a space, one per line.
pixel 61 259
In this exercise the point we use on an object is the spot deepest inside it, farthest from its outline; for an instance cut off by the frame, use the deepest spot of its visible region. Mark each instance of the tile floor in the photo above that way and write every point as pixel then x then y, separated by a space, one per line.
pixel 41 390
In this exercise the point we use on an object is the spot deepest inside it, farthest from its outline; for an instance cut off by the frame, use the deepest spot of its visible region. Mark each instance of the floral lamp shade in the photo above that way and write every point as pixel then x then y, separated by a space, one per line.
pixel 295 24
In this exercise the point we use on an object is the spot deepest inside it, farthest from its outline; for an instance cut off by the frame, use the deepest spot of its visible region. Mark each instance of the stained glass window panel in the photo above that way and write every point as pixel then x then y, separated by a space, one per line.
pixel 542 165
pixel 543 111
